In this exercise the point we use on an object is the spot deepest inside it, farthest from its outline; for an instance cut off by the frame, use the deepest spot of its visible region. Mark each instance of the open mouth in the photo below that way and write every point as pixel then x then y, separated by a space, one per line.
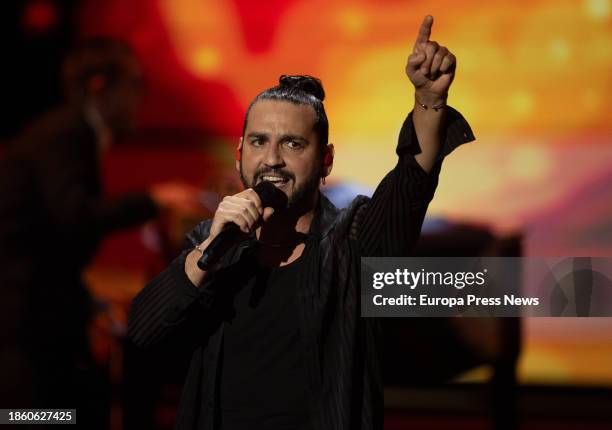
pixel 276 180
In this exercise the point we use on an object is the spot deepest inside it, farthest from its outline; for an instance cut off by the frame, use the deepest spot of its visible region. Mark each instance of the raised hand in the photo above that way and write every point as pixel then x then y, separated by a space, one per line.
pixel 431 67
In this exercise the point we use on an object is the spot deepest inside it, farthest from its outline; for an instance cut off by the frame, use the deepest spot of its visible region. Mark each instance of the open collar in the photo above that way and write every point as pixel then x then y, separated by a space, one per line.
pixel 323 221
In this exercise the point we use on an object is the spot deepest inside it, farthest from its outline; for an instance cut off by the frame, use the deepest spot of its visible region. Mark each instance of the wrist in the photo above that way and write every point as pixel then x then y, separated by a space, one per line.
pixel 206 242
pixel 193 272
pixel 429 99
pixel 199 249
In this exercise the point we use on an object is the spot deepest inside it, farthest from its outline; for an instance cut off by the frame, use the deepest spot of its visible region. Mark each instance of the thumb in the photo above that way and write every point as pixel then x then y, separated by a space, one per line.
pixel 267 213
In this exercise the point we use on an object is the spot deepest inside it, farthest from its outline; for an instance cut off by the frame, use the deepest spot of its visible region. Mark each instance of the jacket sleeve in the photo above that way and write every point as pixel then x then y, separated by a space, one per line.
pixel 170 299
pixel 390 224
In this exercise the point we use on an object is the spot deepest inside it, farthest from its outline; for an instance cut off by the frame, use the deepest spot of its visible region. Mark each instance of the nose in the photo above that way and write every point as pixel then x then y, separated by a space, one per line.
pixel 273 157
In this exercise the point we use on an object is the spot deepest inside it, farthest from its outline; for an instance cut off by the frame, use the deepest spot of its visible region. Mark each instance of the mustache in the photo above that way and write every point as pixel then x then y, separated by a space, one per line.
pixel 285 174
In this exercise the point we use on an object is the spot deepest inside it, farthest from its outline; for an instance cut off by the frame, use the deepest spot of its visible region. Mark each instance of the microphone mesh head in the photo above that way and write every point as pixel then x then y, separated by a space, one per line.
pixel 270 196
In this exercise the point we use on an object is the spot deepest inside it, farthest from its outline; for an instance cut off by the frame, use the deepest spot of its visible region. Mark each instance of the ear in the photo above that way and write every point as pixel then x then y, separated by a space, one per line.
pixel 238 154
pixel 328 159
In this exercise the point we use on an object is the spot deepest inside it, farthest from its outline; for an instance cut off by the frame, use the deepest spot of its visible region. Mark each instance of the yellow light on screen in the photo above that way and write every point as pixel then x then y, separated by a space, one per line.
pixel 598 9
pixel 481 179
pixel 544 365
pixel 529 162
pixel 559 50
pixel 591 100
pixel 352 22
pixel 206 61
pixel 521 103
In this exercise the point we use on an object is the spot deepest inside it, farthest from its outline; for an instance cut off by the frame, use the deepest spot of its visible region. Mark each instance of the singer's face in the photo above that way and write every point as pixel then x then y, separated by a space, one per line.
pixel 280 145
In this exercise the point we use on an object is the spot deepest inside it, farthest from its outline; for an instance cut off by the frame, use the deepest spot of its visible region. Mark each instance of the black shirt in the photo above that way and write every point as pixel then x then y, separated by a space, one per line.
pixel 263 380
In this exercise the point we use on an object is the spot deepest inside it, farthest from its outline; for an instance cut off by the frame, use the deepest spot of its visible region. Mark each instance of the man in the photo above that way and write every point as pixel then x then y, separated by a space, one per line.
pixel 53 215
pixel 275 328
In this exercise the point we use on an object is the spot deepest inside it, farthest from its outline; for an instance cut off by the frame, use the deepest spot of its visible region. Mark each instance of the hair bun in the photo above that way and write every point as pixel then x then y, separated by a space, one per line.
pixel 305 83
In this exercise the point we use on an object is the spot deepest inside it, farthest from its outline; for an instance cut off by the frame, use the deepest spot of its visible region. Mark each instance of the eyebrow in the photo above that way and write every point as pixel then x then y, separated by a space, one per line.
pixel 257 135
pixel 283 137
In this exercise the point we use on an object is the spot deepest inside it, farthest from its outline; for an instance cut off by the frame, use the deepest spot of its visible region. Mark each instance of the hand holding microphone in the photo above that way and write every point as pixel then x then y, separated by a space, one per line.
pixel 244 209
pixel 236 217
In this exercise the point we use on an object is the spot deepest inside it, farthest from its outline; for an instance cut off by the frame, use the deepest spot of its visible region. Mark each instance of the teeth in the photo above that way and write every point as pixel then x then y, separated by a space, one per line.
pixel 273 179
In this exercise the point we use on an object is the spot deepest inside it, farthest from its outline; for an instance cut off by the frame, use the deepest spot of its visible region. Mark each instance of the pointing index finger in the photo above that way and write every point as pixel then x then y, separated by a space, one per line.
pixel 425 30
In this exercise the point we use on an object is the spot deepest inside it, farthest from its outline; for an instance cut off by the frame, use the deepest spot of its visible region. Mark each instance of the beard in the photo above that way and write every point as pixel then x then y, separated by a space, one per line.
pixel 301 198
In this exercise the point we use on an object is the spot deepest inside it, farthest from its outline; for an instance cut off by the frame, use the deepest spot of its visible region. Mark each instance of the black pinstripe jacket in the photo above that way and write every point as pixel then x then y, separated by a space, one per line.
pixel 340 347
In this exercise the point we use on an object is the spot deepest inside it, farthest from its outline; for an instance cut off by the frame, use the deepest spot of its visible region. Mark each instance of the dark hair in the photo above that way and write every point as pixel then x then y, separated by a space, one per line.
pixel 299 90
pixel 93 56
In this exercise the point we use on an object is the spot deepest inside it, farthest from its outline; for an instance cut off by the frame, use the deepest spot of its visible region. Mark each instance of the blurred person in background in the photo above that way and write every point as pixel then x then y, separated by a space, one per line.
pixel 53 215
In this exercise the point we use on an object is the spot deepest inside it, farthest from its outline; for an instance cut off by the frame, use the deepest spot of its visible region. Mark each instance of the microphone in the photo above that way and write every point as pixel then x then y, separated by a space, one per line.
pixel 231 234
